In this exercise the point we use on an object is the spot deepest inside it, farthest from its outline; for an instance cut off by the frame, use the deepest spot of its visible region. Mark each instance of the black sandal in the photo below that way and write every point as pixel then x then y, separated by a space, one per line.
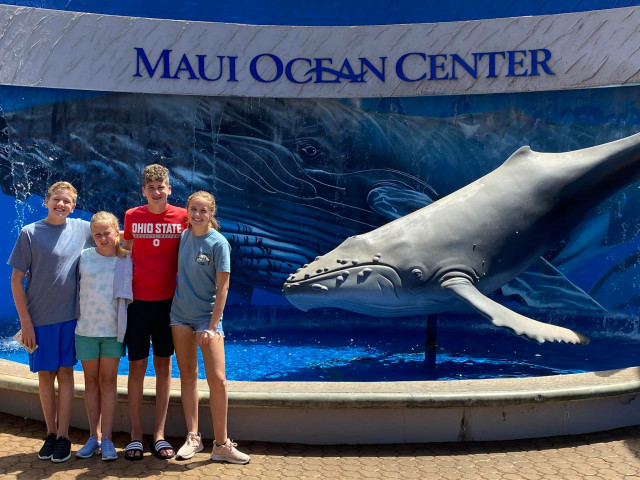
pixel 133 450
pixel 162 446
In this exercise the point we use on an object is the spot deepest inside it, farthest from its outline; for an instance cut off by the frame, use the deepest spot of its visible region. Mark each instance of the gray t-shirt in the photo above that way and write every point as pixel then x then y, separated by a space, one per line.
pixel 50 254
pixel 199 259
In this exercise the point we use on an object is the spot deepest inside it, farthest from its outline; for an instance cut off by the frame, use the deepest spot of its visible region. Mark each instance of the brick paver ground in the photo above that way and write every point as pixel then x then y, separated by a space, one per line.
pixel 609 455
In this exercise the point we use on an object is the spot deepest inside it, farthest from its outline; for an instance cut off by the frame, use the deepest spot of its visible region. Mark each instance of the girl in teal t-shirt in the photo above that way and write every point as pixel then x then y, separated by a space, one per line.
pixel 196 321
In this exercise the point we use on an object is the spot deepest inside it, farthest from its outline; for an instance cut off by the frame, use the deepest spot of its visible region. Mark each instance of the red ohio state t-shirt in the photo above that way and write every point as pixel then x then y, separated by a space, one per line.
pixel 156 237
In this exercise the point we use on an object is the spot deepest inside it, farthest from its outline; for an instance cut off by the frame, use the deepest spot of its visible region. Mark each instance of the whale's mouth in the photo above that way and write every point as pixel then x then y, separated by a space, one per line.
pixel 360 290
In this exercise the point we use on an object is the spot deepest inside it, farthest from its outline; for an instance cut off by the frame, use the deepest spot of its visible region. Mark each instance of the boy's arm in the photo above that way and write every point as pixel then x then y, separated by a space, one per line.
pixel 127 244
pixel 20 299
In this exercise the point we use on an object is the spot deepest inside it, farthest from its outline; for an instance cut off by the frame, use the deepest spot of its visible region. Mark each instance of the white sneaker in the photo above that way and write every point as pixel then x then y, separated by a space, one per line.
pixel 192 445
pixel 228 453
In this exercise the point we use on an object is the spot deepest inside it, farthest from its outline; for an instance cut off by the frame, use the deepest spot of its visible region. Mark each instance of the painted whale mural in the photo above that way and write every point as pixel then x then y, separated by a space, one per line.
pixel 296 177
pixel 471 242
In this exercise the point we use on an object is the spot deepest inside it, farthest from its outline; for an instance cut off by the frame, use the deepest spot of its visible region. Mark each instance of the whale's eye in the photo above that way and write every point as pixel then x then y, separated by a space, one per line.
pixel 416 273
pixel 310 150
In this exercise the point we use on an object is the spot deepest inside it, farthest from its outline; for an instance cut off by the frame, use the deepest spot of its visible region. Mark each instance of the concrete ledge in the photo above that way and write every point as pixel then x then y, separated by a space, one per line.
pixel 378 412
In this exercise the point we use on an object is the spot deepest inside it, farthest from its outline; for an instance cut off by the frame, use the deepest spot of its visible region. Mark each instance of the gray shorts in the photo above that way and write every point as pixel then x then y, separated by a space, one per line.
pixel 196 327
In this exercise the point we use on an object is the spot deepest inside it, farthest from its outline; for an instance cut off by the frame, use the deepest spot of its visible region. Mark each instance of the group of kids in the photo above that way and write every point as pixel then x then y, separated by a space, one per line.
pixel 90 303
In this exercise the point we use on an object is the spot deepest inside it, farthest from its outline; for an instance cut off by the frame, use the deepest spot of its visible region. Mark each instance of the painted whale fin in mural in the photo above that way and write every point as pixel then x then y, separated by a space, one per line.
pixel 395 201
pixel 501 316
pixel 543 286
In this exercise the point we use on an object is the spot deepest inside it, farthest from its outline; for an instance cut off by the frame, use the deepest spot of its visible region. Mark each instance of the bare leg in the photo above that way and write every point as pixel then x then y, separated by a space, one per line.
pixel 162 367
pixel 135 387
pixel 65 399
pixel 213 357
pixel 91 369
pixel 108 393
pixel 46 389
pixel 184 342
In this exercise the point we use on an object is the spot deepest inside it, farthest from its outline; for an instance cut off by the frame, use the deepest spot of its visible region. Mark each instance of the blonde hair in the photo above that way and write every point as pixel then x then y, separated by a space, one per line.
pixel 207 197
pixel 154 173
pixel 62 186
pixel 111 219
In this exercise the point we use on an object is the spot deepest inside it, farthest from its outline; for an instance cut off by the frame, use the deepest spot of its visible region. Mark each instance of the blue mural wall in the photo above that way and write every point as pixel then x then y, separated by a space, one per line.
pixel 295 177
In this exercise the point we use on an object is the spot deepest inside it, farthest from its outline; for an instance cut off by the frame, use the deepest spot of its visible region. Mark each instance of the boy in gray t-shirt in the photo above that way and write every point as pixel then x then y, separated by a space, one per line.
pixel 49 250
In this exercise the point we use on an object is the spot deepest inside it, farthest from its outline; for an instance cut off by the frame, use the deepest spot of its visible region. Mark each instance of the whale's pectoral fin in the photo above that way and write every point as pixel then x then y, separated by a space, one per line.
pixel 543 285
pixel 501 316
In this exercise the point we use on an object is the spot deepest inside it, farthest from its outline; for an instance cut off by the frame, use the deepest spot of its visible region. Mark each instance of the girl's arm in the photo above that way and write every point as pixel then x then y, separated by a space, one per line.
pixel 20 299
pixel 222 288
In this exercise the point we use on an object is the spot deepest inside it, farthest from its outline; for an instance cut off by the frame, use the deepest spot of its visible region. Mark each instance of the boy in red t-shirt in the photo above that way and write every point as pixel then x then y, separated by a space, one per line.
pixel 152 233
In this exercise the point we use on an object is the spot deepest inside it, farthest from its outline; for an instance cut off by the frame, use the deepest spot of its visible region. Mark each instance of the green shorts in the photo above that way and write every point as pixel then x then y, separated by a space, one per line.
pixel 92 348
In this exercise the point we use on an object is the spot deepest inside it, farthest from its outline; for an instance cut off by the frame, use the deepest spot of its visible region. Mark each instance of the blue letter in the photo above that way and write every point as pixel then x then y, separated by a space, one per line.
pixel 542 63
pixel 351 75
pixel 472 71
pixel 366 63
pixel 319 70
pixel 400 71
pixel 254 68
pixel 492 61
pixel 289 74
pixel 232 69
pixel 513 63
pixel 186 68
pixel 201 71
pixel 434 67
pixel 164 56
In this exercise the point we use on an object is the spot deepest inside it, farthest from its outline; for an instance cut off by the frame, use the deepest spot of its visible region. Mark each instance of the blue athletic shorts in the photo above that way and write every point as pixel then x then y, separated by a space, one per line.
pixel 92 348
pixel 56 347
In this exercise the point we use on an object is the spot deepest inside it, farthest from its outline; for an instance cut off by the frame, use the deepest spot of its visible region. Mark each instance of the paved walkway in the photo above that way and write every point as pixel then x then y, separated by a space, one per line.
pixel 601 456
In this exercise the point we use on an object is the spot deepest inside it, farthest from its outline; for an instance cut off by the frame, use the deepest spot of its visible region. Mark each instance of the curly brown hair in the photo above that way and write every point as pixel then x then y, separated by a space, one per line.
pixel 154 173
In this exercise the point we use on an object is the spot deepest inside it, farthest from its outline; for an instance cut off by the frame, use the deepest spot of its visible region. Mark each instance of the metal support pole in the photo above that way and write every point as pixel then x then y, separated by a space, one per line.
pixel 430 344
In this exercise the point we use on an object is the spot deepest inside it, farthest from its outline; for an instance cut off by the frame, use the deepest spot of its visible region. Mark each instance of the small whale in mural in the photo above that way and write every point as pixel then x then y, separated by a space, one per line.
pixel 471 242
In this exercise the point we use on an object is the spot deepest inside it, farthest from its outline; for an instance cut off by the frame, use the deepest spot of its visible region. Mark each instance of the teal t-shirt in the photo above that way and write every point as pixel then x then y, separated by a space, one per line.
pixel 199 260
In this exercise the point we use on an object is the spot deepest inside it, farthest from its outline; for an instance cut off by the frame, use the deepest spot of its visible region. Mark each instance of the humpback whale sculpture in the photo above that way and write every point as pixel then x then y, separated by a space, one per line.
pixel 471 242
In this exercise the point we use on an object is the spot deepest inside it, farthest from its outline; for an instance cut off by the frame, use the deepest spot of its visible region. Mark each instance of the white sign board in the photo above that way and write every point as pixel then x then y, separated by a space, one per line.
pixel 83 51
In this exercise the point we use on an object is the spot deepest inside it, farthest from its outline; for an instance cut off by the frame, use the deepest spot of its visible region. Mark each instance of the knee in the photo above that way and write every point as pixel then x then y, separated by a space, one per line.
pixel 108 383
pixel 218 384
pixel 138 368
pixel 162 365
pixel 65 374
pixel 46 376
pixel 91 381
pixel 188 376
